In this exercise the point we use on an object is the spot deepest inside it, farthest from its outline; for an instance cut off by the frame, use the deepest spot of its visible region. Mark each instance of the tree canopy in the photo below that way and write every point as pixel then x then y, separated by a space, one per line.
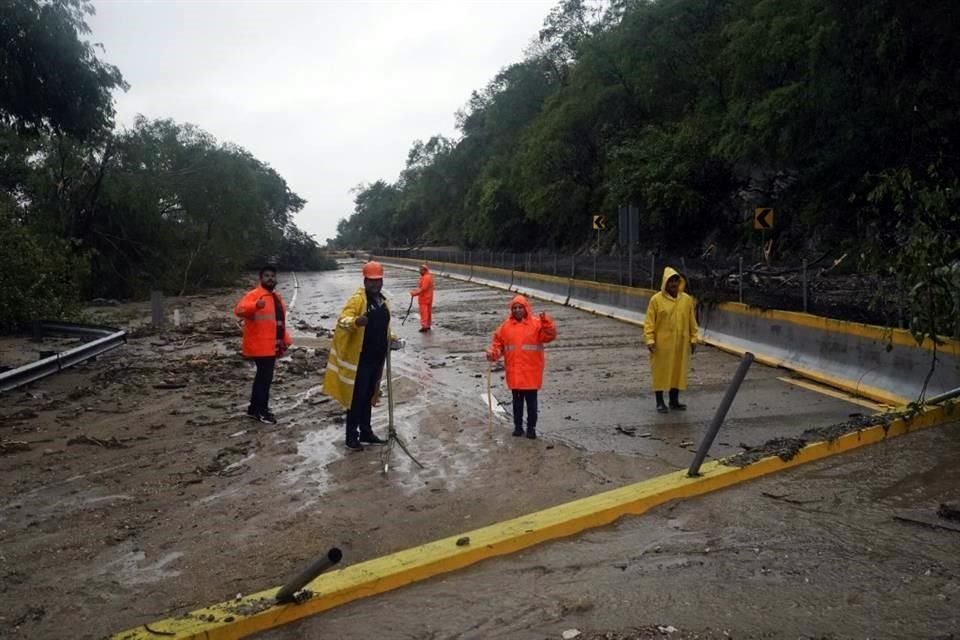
pixel 841 115
pixel 693 110
pixel 89 210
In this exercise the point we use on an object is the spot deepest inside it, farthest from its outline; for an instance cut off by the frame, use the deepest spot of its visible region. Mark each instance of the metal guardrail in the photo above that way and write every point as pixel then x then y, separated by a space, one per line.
pixel 101 340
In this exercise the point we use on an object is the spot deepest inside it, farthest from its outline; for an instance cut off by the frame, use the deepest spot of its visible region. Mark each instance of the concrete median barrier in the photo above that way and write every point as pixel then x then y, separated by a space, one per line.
pixel 884 365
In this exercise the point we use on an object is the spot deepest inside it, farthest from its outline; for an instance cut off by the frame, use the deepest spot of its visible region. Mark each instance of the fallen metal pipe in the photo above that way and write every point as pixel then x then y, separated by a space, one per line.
pixel 943 397
pixel 719 416
pixel 288 593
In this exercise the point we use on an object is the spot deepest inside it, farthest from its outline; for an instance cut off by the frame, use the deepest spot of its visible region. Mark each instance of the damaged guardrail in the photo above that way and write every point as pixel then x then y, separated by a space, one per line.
pixel 100 340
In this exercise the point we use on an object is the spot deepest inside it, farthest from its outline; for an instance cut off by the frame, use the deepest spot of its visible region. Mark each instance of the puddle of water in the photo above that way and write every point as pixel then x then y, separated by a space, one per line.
pixel 130 570
pixel 318 449
pixel 229 491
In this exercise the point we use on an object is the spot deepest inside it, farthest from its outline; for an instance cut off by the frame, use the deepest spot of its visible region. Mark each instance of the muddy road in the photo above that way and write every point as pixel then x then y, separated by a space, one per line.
pixel 145 492
pixel 812 553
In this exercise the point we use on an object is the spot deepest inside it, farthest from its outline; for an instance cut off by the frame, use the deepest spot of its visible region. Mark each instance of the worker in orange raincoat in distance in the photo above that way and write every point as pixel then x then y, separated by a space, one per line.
pixel 670 332
pixel 424 291
pixel 520 339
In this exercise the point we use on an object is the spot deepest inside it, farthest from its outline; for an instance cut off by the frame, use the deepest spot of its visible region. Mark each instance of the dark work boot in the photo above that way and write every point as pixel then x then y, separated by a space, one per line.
pixel 661 405
pixel 354 445
pixel 371 438
pixel 675 400
pixel 532 433
pixel 517 430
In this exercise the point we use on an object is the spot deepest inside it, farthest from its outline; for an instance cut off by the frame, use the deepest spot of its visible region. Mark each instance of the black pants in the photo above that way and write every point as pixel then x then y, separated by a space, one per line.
pixel 674 397
pixel 358 416
pixel 260 397
pixel 530 396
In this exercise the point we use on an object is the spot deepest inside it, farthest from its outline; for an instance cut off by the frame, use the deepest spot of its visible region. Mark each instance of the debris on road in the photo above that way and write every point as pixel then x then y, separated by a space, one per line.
pixel 111 443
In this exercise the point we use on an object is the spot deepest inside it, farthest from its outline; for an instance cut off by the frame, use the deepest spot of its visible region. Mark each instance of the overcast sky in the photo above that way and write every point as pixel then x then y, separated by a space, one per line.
pixel 329 93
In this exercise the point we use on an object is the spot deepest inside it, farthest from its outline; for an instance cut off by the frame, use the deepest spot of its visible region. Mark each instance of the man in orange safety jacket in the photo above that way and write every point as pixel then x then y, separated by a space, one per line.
pixel 265 338
pixel 520 339
pixel 424 291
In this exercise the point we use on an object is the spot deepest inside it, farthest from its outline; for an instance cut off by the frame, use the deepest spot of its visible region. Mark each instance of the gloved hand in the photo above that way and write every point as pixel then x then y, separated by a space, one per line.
pixel 491 356
pixel 413 294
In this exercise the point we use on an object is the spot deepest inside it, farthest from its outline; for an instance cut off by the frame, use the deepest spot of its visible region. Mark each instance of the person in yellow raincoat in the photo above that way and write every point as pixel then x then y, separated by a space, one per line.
pixel 357 355
pixel 670 332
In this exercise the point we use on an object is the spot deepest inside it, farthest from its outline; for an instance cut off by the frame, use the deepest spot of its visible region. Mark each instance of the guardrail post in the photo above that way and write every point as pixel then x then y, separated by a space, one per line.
pixel 740 280
pixel 156 308
pixel 653 272
pixel 555 260
pixel 900 300
pixel 630 264
pixel 721 413
pixel 803 283
pixel 595 267
pixel 288 593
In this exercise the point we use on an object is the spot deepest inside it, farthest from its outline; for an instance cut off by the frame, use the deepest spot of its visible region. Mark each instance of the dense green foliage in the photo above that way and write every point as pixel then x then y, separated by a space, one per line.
pixel 841 115
pixel 86 210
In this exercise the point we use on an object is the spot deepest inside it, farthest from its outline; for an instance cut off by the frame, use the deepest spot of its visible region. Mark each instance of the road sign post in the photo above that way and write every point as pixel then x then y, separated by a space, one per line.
pixel 599 224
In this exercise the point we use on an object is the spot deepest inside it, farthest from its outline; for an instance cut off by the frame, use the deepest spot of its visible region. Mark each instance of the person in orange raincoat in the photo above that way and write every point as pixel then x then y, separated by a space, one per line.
pixel 520 339
pixel 670 332
pixel 265 338
pixel 424 291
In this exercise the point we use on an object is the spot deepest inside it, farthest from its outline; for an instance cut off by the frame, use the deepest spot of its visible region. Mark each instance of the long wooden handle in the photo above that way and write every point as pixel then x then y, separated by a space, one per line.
pixel 490 397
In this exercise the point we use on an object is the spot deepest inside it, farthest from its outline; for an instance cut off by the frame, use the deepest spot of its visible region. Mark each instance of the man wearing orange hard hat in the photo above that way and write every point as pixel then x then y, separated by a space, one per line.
pixel 357 355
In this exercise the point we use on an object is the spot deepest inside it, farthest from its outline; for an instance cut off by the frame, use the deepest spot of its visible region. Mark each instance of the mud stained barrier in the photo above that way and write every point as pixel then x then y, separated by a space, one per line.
pixel 880 364
pixel 259 611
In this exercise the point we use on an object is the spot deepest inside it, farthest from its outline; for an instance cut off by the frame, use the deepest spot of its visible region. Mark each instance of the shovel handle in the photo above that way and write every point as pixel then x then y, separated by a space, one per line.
pixel 490 396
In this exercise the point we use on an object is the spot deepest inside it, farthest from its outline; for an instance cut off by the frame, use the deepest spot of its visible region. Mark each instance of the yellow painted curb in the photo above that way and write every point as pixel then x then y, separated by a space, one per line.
pixel 256 612
pixel 829 391
pixel 863 390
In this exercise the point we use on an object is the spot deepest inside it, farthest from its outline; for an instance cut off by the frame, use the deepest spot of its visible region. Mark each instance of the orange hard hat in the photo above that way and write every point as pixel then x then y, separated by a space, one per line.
pixel 373 270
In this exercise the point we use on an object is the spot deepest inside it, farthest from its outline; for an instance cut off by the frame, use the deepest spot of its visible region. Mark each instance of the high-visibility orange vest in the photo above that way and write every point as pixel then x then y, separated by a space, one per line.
pixel 260 325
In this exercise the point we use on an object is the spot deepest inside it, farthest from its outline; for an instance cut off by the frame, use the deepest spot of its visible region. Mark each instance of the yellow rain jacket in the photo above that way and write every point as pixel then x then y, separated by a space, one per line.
pixel 345 350
pixel 671 325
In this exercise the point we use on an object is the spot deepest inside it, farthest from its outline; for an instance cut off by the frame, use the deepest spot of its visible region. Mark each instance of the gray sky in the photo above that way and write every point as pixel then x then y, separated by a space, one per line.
pixel 329 93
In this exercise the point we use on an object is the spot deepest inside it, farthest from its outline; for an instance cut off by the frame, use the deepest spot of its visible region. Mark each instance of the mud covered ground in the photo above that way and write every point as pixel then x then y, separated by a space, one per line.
pixel 141 491
pixel 814 553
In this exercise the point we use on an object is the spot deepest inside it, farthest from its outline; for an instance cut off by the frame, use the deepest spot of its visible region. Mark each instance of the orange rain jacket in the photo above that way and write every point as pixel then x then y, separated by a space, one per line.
pixel 260 325
pixel 424 288
pixel 521 344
